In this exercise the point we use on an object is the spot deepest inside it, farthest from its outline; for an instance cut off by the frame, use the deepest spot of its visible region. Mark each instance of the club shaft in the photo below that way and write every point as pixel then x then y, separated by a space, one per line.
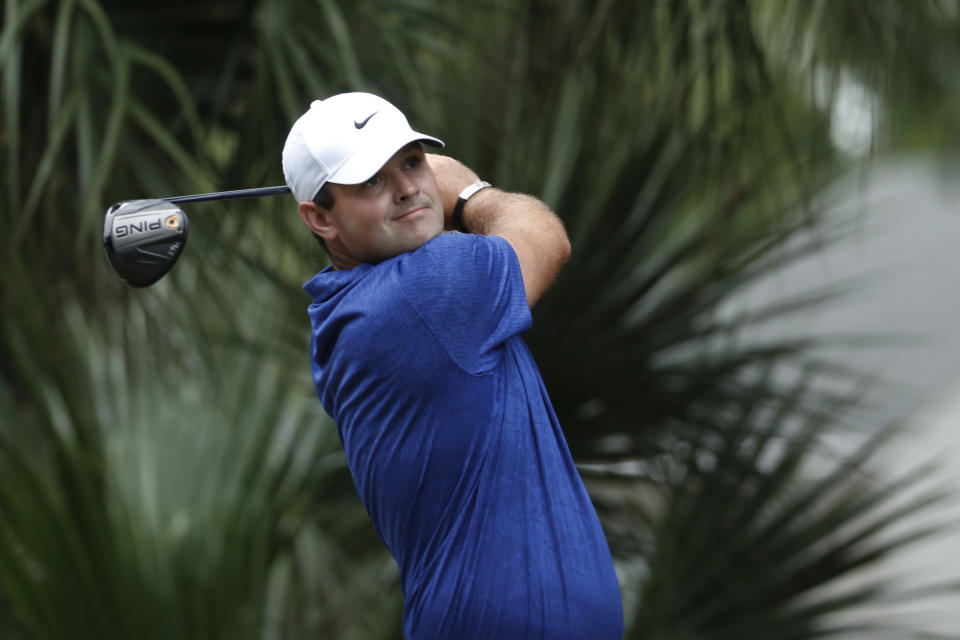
pixel 227 195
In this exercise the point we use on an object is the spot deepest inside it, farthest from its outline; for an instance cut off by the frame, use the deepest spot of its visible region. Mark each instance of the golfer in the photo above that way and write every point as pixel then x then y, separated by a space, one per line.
pixel 416 353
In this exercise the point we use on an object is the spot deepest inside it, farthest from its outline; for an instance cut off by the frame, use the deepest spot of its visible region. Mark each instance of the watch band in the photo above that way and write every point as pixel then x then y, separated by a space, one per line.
pixel 465 195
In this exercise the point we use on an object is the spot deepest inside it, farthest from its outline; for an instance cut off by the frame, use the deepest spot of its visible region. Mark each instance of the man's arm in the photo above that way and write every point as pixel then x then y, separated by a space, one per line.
pixel 535 233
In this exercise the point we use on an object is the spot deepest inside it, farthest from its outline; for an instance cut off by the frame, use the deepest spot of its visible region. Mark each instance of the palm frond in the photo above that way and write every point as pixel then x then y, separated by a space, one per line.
pixel 748 529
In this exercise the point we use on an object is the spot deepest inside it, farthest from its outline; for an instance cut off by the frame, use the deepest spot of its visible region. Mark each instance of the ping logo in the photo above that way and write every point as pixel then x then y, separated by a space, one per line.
pixel 144 224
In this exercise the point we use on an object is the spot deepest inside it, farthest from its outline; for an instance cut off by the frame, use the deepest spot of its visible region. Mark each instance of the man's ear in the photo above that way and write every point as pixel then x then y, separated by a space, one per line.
pixel 318 220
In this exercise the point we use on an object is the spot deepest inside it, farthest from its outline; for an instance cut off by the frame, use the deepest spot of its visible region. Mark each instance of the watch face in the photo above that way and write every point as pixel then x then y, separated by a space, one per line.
pixel 472 189
pixel 462 200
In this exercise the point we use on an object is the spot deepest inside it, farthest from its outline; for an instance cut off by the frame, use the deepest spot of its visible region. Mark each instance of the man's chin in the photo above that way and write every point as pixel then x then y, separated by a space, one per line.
pixel 422 239
pixel 410 246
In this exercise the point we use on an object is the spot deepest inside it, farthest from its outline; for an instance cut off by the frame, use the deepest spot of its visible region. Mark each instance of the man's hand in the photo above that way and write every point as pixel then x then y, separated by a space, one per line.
pixel 452 177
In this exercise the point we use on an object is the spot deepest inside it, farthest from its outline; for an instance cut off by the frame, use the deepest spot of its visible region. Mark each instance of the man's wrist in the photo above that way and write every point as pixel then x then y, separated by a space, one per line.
pixel 465 195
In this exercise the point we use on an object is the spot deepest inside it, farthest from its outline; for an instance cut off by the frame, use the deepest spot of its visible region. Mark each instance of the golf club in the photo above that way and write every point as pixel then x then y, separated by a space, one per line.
pixel 144 238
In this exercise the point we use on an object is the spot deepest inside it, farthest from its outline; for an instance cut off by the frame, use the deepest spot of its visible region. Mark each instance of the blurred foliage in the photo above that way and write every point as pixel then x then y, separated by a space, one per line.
pixel 165 468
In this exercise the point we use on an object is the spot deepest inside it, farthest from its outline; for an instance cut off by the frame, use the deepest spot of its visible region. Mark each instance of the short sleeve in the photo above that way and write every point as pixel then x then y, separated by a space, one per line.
pixel 468 290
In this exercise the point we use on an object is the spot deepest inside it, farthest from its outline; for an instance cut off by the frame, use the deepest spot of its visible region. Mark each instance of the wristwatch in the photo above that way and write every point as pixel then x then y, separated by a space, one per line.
pixel 465 195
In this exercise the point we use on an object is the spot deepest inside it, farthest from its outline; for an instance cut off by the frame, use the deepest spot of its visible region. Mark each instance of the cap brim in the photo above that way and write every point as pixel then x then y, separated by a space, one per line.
pixel 364 164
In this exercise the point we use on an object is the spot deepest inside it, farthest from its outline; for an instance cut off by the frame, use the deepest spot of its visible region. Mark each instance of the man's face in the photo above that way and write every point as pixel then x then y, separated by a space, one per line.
pixel 395 211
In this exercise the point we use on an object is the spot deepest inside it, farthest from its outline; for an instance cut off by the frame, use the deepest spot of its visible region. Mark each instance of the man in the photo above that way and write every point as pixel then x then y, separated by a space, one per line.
pixel 448 431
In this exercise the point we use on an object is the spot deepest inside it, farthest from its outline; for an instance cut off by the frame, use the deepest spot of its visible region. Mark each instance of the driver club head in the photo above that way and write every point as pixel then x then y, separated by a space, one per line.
pixel 143 239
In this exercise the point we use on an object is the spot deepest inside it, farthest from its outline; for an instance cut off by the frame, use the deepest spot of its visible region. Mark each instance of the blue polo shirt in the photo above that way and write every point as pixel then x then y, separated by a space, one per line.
pixel 454 446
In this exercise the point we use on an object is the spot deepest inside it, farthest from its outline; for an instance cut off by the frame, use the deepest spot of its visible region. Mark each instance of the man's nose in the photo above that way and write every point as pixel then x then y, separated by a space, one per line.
pixel 405 187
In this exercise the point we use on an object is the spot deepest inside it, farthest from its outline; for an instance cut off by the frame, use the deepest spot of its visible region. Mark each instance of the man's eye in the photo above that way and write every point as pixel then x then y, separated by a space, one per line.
pixel 414 161
pixel 372 182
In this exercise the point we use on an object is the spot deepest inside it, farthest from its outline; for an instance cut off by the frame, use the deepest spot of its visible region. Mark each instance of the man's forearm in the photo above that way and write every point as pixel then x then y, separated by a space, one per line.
pixel 535 232
pixel 492 212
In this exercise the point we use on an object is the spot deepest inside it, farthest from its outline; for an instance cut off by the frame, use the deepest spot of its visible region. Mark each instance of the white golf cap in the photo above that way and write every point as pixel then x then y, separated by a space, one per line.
pixel 344 139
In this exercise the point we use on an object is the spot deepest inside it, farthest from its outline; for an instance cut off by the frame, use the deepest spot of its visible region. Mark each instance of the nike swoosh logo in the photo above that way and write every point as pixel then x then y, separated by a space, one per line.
pixel 361 125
